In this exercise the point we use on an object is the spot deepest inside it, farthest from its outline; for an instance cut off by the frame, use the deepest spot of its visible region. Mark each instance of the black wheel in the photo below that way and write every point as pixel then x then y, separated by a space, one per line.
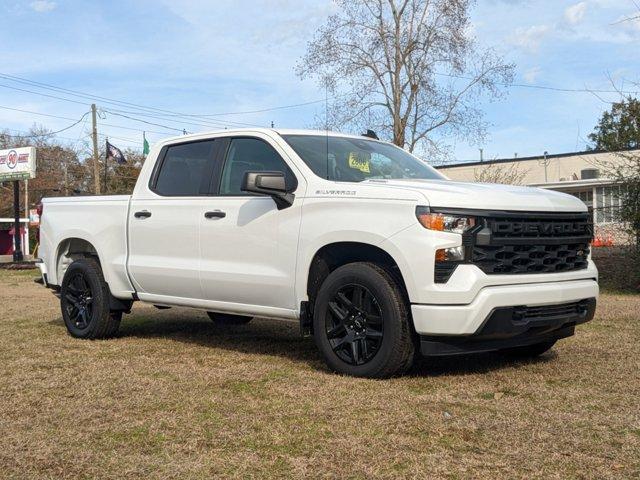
pixel 228 319
pixel 84 299
pixel 529 351
pixel 361 322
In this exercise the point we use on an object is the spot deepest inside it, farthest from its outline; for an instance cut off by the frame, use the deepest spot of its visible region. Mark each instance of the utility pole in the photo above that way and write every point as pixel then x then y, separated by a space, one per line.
pixel 17 238
pixel 94 135
pixel 106 161
pixel 25 246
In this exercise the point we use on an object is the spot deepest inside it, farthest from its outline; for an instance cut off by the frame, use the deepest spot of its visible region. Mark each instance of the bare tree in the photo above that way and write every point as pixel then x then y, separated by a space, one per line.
pixel 408 68
pixel 507 174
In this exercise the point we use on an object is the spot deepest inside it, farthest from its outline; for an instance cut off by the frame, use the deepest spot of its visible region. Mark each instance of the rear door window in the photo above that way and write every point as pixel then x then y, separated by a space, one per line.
pixel 186 169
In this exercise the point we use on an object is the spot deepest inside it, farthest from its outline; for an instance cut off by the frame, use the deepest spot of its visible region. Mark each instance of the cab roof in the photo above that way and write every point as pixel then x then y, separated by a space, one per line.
pixel 280 131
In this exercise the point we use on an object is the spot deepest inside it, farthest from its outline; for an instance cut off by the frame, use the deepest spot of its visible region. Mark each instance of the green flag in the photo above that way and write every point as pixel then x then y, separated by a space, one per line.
pixel 145 144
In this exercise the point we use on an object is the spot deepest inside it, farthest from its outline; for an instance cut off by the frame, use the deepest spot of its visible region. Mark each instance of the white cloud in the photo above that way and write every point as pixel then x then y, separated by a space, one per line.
pixel 529 39
pixel 574 14
pixel 531 75
pixel 42 6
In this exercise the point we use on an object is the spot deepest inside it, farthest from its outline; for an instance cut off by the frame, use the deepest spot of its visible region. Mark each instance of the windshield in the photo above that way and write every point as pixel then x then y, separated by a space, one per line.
pixel 349 159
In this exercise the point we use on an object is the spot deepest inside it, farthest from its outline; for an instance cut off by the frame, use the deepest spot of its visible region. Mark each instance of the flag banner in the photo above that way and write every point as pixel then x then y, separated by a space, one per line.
pixel 145 145
pixel 114 153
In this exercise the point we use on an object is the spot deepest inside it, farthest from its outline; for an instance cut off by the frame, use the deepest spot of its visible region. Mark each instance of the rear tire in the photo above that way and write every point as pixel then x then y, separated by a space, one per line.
pixel 84 300
pixel 361 322
pixel 228 319
pixel 529 351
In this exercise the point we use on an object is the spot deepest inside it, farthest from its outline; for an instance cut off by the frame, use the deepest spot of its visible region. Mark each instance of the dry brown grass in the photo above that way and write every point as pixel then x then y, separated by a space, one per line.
pixel 176 397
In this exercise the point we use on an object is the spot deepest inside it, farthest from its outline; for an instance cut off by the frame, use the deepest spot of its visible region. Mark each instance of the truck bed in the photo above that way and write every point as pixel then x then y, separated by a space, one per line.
pixel 99 220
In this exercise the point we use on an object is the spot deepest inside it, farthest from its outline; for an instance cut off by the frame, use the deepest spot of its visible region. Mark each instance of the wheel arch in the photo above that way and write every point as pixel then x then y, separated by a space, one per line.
pixel 68 250
pixel 336 254
pixel 74 248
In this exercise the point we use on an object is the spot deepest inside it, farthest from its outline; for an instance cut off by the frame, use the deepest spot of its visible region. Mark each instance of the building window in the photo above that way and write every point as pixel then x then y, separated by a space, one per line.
pixel 608 203
pixel 586 196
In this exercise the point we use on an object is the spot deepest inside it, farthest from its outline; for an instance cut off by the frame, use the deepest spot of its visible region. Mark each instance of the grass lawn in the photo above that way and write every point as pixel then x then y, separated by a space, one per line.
pixel 176 397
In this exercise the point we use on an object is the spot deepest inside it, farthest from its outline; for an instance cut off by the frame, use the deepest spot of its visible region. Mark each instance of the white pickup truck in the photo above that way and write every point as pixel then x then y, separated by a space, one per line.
pixel 377 255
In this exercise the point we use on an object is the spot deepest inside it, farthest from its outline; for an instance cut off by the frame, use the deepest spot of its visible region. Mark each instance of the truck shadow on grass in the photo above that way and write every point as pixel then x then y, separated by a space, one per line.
pixel 282 339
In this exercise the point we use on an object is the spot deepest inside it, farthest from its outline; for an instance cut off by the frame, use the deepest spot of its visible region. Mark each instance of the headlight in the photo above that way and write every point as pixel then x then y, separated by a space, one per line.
pixel 444 222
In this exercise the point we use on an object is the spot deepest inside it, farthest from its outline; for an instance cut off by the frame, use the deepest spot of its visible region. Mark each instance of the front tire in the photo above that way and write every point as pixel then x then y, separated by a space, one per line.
pixel 361 322
pixel 228 319
pixel 84 300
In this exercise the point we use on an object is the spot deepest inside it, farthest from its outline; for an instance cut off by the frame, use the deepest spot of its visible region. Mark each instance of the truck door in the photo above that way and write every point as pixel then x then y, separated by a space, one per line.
pixel 164 222
pixel 249 246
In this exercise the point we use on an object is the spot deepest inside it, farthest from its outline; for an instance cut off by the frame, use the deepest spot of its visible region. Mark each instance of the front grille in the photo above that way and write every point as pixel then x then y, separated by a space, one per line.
pixel 531 258
pixel 525 313
pixel 508 243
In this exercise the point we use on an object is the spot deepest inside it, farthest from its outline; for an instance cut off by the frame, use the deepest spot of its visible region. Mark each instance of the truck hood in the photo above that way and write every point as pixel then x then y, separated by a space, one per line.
pixel 487 196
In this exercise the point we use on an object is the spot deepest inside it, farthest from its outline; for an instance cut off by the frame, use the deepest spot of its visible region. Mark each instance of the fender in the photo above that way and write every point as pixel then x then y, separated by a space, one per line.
pixel 307 255
pixel 113 267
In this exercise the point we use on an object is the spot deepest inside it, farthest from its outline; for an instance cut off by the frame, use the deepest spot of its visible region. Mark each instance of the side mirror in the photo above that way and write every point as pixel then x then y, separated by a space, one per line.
pixel 268 183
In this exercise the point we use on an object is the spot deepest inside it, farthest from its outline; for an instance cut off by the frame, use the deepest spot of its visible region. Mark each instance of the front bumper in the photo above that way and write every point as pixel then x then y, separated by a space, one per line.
pixel 43 272
pixel 468 319
pixel 510 327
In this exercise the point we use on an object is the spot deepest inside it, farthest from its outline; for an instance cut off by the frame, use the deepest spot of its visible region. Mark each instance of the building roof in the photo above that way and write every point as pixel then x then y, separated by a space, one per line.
pixel 594 182
pixel 537 157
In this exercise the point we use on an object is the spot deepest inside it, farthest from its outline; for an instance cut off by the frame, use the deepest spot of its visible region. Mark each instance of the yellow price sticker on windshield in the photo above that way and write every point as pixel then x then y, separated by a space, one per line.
pixel 357 164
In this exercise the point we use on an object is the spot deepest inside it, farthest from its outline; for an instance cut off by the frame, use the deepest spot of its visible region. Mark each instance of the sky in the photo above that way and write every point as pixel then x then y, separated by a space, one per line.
pixel 223 58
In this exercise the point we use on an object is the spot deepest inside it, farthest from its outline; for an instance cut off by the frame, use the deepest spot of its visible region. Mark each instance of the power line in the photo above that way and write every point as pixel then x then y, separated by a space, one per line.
pixel 42 94
pixel 35 113
pixel 207 123
pixel 2 132
pixel 68 118
pixel 75 93
pixel 48 134
pixel 627 19
pixel 163 114
pixel 120 102
pixel 263 110
pixel 143 121
pixel 119 138
pixel 77 102
pixel 210 123
pixel 542 87
pixel 157 111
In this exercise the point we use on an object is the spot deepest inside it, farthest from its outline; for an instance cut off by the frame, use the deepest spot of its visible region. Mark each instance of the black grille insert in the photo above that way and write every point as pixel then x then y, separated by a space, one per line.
pixel 541 312
pixel 531 258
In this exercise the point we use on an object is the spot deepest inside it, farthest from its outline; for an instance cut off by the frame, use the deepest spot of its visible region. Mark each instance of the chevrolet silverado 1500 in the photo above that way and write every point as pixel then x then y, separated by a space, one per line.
pixel 377 255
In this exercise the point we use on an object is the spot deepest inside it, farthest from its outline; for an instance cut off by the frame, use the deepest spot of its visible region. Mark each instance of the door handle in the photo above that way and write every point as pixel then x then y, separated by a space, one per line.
pixel 142 214
pixel 215 214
